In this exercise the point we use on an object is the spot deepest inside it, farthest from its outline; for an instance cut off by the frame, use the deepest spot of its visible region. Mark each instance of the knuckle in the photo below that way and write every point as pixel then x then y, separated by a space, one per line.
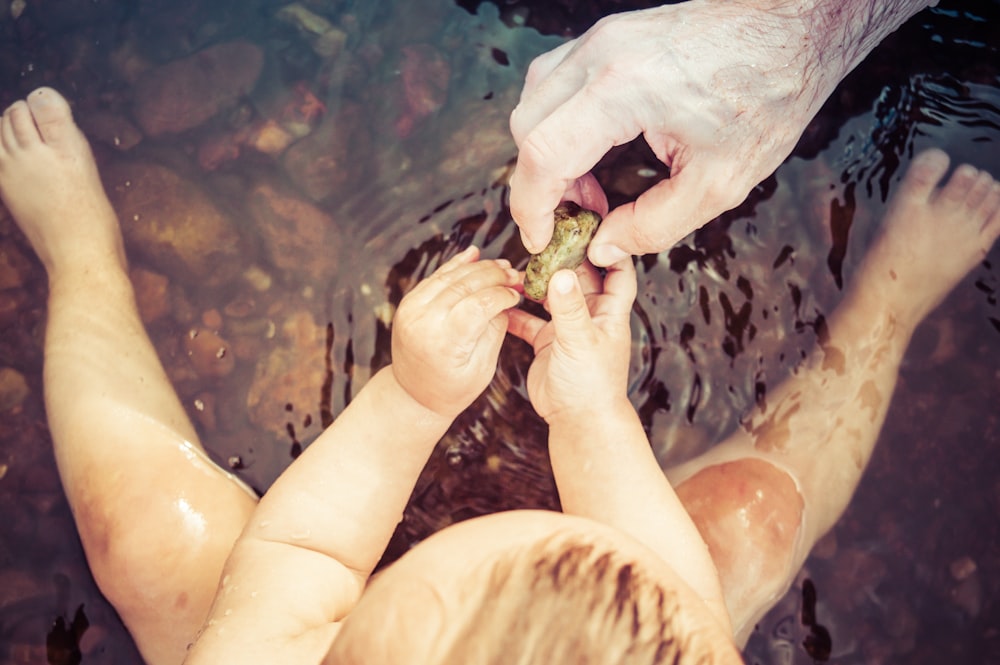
pixel 460 289
pixel 538 151
pixel 536 70
pixel 648 232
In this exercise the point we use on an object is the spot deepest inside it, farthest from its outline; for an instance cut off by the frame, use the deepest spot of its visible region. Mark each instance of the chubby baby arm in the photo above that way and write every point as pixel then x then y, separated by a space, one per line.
pixel 577 384
pixel 604 467
pixel 304 558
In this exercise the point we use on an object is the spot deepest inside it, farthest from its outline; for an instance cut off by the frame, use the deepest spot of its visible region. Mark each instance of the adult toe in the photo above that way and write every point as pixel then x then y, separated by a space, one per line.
pixel 19 130
pixel 52 115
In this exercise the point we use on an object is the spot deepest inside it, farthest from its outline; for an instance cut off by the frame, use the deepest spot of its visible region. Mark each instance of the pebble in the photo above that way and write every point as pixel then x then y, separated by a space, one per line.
pixel 13 389
pixel 962 568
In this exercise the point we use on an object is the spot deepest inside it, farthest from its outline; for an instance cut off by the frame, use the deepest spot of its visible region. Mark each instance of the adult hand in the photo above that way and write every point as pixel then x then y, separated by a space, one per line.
pixel 582 354
pixel 721 91
pixel 447 332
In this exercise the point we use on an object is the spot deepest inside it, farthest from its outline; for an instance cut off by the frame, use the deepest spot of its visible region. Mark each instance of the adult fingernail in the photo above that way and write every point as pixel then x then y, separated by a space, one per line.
pixel 605 255
pixel 528 245
pixel 562 282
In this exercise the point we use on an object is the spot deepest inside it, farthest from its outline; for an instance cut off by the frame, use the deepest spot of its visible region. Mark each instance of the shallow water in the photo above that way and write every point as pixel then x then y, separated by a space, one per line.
pixel 911 572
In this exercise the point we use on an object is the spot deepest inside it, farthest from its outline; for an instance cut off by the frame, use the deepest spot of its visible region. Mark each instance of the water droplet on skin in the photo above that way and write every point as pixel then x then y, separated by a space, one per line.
pixel 302 535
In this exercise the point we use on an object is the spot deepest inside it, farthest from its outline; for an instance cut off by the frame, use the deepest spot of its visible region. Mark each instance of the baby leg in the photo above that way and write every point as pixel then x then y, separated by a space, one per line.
pixel 764 496
pixel 156 518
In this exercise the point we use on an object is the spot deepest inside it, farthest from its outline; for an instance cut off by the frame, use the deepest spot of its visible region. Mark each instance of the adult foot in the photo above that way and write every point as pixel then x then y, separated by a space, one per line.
pixel 50 184
pixel 931 236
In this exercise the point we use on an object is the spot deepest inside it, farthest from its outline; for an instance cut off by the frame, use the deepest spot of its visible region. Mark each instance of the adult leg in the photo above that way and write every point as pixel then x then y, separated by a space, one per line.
pixel 157 519
pixel 765 495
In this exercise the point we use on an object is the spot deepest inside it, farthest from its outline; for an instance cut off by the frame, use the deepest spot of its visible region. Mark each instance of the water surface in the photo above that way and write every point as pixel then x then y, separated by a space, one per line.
pixel 421 92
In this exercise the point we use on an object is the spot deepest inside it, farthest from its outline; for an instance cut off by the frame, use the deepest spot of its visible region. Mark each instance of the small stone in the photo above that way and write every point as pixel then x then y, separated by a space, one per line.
pixel 151 294
pixel 962 568
pixel 211 318
pixel 185 93
pixel 258 278
pixel 968 596
pixel 13 389
pixel 15 267
pixel 574 229
pixel 209 353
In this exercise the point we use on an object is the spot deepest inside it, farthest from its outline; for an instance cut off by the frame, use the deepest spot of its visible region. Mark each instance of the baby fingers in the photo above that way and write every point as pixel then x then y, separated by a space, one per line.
pixel 478 312
pixel 454 282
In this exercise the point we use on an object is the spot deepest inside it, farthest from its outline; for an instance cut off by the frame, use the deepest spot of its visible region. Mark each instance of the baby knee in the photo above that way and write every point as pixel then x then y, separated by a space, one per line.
pixel 748 510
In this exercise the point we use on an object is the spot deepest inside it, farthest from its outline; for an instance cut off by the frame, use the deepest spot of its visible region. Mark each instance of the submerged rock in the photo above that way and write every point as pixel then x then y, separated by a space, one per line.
pixel 209 353
pixel 15 267
pixel 172 223
pixel 425 74
pixel 326 39
pixel 286 395
pixel 13 389
pixel 152 294
pixel 298 237
pixel 111 129
pixel 185 93
pixel 332 159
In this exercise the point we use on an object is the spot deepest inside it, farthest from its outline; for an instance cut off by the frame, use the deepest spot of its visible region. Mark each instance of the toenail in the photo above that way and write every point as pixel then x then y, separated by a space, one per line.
pixel 968 171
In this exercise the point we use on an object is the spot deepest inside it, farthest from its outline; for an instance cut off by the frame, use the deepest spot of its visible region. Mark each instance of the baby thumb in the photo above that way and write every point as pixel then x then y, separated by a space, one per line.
pixel 567 306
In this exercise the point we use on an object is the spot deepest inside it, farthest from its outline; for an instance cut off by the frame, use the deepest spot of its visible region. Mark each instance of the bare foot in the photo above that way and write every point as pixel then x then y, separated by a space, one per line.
pixel 50 184
pixel 931 236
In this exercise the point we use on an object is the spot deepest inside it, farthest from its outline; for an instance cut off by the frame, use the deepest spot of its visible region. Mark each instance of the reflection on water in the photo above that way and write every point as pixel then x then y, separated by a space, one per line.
pixel 277 215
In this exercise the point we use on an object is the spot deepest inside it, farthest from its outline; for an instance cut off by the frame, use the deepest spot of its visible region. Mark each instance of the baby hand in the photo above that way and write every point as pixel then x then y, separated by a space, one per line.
pixel 582 354
pixel 447 332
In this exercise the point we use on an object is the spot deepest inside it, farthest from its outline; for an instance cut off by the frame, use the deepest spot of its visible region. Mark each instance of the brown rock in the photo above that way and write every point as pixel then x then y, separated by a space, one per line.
pixel 334 157
pixel 150 294
pixel 425 74
pixel 288 383
pixel 110 128
pixel 209 353
pixel 326 39
pixel 298 236
pixel 968 595
pixel 483 140
pixel 19 586
pixel 14 266
pixel 13 389
pixel 185 93
pixel 172 223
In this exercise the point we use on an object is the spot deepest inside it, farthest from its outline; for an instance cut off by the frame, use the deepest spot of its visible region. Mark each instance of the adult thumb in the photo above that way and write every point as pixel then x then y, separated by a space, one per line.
pixel 568 307
pixel 656 221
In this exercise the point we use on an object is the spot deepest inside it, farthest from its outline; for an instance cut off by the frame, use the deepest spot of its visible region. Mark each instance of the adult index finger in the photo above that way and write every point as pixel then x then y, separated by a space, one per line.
pixel 561 148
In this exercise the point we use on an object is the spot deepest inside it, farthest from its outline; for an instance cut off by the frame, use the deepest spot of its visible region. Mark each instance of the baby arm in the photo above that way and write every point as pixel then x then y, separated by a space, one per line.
pixel 603 465
pixel 305 556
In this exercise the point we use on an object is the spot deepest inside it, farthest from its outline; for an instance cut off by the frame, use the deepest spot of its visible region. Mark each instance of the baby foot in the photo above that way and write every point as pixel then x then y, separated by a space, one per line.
pixel 932 236
pixel 50 184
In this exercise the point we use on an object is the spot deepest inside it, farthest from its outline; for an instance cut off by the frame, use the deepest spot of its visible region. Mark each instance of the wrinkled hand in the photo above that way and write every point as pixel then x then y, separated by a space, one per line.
pixel 720 91
pixel 582 354
pixel 448 330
